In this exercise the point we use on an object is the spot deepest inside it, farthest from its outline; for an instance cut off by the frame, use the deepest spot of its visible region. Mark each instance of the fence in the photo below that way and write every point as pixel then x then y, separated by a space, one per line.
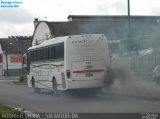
pixel 141 65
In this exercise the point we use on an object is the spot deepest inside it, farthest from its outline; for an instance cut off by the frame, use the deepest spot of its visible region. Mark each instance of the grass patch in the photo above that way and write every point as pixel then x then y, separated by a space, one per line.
pixel 4 108
pixel 9 113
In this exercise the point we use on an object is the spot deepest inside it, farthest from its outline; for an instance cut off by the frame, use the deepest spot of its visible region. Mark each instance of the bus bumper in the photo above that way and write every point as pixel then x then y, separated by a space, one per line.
pixel 79 84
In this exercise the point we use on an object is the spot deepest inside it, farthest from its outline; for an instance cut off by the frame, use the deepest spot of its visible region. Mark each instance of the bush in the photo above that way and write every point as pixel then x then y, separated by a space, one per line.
pixel 23 78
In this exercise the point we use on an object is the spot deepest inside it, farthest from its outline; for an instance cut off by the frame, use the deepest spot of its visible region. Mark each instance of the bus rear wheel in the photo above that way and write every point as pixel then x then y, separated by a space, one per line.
pixel 36 90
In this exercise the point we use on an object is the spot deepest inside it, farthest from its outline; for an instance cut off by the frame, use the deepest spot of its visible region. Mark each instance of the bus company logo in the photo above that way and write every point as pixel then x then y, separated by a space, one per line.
pixel 149 116
pixel 85 42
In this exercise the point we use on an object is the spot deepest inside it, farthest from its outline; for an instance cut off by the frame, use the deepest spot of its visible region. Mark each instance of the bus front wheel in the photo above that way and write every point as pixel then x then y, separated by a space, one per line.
pixel 36 90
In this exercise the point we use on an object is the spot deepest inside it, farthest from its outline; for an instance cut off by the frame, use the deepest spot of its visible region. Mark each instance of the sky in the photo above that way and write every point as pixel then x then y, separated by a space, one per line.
pixel 19 21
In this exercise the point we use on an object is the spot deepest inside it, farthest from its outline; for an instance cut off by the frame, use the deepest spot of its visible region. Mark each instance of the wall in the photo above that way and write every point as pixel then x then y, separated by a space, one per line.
pixel 42 33
pixel 14 67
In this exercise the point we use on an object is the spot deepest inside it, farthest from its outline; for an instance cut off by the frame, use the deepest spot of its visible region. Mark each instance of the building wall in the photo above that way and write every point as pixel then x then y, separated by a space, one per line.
pixel 12 49
pixel 14 67
pixel 41 33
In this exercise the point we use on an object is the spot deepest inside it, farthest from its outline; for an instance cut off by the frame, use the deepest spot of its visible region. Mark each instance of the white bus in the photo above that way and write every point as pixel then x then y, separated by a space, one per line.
pixel 69 62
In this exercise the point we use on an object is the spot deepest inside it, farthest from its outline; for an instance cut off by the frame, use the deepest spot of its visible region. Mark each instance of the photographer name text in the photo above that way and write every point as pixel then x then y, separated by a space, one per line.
pixel 10 4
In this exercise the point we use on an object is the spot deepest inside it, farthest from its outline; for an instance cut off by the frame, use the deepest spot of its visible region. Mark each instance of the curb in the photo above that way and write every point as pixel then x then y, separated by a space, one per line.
pixel 20 83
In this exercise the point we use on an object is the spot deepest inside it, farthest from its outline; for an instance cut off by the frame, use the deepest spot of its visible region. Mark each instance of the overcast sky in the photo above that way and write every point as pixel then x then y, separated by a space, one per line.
pixel 19 21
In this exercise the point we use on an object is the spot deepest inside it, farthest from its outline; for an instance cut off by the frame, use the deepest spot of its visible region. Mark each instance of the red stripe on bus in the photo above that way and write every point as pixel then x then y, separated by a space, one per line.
pixel 86 71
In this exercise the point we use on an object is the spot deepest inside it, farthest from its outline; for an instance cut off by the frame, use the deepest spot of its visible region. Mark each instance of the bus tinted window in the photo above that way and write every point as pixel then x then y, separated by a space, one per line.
pixel 52 52
pixel 33 57
pixel 44 54
pixel 36 55
pixel 59 51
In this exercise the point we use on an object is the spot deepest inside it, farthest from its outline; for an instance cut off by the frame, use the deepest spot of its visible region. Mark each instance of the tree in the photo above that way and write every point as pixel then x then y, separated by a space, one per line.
pixel 36 42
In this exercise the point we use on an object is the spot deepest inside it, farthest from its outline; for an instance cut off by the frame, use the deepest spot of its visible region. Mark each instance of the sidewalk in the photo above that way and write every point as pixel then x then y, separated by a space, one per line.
pixel 13 79
pixel 9 77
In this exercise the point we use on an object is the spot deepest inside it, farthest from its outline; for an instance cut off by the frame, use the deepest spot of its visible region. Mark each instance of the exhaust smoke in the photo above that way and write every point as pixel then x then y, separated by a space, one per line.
pixel 121 77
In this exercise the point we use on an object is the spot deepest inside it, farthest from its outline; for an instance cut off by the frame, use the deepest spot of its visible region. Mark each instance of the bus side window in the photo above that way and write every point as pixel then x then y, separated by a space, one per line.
pixel 33 55
pixel 41 54
pixel 52 52
pixel 59 51
pixel 36 55
pixel 45 55
pixel 28 61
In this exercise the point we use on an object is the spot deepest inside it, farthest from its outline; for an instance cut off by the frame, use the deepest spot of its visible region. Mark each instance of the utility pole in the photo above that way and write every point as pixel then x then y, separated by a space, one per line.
pixel 129 19
pixel 128 8
pixel 129 25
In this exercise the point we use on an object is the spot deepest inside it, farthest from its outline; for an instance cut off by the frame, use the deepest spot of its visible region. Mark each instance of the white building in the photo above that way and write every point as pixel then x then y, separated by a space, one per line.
pixel 11 54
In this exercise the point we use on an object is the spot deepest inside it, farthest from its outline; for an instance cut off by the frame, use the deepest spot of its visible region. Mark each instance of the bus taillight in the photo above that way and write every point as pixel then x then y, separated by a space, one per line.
pixel 68 73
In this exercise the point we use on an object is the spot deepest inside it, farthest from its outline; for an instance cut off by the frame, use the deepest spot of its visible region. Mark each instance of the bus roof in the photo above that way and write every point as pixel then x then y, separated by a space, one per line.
pixel 49 42
pixel 59 40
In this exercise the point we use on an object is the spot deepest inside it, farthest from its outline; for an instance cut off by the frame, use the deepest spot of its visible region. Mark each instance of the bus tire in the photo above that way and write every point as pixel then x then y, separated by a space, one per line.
pixel 54 86
pixel 36 90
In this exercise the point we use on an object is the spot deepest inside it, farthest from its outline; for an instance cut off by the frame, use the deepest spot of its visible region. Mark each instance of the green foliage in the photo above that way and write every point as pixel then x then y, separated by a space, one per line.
pixel 7 112
pixel 113 47
pixel 129 44
pixel 36 42
pixel 22 78
pixel 4 108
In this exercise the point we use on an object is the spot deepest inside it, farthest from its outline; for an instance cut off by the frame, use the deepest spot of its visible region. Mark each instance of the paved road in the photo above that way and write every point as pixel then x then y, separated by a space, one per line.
pixel 134 97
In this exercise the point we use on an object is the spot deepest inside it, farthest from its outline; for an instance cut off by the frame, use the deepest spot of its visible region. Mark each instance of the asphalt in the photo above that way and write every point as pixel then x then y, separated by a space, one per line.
pixel 134 96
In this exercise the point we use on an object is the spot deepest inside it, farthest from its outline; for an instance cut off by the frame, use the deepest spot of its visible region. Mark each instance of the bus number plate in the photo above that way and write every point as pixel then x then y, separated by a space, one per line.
pixel 89 74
